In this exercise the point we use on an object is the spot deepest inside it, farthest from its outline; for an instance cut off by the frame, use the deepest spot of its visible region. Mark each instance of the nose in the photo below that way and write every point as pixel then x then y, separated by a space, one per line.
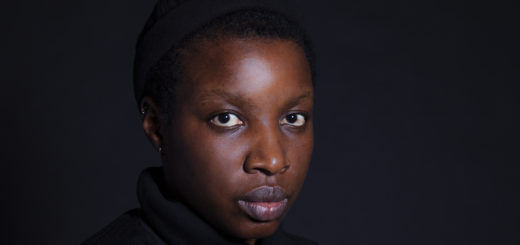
pixel 266 154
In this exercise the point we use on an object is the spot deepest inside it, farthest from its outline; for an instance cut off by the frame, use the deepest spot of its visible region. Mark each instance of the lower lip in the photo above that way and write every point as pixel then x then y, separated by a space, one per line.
pixel 263 211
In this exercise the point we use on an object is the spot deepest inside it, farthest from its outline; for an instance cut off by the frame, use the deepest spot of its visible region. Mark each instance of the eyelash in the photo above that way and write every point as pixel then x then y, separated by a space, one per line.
pixel 299 116
pixel 216 120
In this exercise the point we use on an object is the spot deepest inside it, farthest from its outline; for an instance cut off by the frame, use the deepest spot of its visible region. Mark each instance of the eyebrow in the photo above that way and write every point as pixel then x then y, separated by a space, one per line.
pixel 222 94
pixel 297 100
pixel 238 100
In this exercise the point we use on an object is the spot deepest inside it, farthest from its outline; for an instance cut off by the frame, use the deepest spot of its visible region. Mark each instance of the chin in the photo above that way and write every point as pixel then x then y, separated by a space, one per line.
pixel 256 230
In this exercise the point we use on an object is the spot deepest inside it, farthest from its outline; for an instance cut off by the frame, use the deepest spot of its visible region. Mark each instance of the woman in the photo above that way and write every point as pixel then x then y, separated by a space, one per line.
pixel 226 93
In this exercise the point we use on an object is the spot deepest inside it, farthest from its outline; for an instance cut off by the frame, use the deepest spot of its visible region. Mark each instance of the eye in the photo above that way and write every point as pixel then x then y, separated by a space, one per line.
pixel 294 119
pixel 226 120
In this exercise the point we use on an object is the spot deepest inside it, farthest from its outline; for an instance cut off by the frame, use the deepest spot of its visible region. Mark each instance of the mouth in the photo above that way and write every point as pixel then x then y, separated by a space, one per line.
pixel 264 203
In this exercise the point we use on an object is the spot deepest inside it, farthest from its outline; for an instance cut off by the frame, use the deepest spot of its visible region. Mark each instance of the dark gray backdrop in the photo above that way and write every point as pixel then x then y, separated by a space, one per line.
pixel 416 121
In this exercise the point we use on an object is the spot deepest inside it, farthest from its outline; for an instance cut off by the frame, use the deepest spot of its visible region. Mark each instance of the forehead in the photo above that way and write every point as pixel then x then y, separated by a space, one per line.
pixel 245 66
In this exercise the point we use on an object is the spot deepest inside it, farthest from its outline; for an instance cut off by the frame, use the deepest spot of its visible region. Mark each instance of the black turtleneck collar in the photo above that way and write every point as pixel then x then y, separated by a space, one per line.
pixel 177 224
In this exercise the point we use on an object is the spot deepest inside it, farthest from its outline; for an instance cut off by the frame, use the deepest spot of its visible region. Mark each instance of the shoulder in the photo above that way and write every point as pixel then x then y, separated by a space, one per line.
pixel 129 228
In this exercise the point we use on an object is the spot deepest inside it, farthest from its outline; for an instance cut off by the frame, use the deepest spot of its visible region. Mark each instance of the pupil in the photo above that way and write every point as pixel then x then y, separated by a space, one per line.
pixel 291 118
pixel 223 118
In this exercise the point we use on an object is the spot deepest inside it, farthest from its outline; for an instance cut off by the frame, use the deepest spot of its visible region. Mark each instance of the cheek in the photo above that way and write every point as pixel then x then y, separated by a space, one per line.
pixel 213 162
pixel 220 160
pixel 210 161
pixel 299 153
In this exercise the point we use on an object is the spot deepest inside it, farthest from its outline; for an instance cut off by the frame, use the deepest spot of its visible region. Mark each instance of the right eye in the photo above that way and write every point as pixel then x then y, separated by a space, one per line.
pixel 226 120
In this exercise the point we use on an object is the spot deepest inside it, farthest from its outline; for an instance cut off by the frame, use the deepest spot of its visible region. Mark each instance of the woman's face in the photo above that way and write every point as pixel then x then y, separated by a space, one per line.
pixel 240 140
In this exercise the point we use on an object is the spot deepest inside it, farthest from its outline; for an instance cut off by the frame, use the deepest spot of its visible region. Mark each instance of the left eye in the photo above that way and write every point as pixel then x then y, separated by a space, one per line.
pixel 226 120
pixel 294 119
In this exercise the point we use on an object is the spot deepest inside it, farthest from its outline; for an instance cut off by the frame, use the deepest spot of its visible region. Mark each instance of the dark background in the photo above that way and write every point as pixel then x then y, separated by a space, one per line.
pixel 416 121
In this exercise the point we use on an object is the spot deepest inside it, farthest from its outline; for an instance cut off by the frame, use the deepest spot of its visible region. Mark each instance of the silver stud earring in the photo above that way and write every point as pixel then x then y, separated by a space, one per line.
pixel 160 150
pixel 144 109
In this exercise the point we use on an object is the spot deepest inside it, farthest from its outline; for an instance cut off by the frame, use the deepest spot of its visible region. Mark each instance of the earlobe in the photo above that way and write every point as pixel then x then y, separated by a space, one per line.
pixel 151 121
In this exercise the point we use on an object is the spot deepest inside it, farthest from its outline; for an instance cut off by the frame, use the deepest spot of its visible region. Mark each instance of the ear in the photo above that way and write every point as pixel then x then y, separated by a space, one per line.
pixel 152 121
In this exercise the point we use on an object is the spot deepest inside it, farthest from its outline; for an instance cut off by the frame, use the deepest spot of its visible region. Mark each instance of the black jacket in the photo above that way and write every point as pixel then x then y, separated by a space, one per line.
pixel 160 221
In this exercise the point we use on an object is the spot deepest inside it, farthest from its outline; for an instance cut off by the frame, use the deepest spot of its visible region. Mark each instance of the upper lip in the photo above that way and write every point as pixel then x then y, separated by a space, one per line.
pixel 265 194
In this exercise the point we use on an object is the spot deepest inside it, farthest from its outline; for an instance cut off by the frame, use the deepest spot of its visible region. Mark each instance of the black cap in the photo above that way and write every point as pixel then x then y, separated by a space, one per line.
pixel 172 20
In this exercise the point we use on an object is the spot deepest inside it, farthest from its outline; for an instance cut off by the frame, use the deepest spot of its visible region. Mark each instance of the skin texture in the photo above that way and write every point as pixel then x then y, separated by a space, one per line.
pixel 210 165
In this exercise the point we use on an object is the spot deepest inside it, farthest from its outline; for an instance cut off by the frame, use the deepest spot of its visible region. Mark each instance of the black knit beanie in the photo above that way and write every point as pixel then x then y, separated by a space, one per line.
pixel 172 20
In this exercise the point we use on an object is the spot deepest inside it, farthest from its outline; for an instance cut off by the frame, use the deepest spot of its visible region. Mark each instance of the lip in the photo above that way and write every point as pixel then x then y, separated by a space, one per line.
pixel 265 203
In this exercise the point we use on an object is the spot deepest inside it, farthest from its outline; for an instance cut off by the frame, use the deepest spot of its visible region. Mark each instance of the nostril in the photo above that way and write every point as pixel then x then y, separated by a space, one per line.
pixel 266 157
pixel 268 169
pixel 265 171
pixel 271 167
